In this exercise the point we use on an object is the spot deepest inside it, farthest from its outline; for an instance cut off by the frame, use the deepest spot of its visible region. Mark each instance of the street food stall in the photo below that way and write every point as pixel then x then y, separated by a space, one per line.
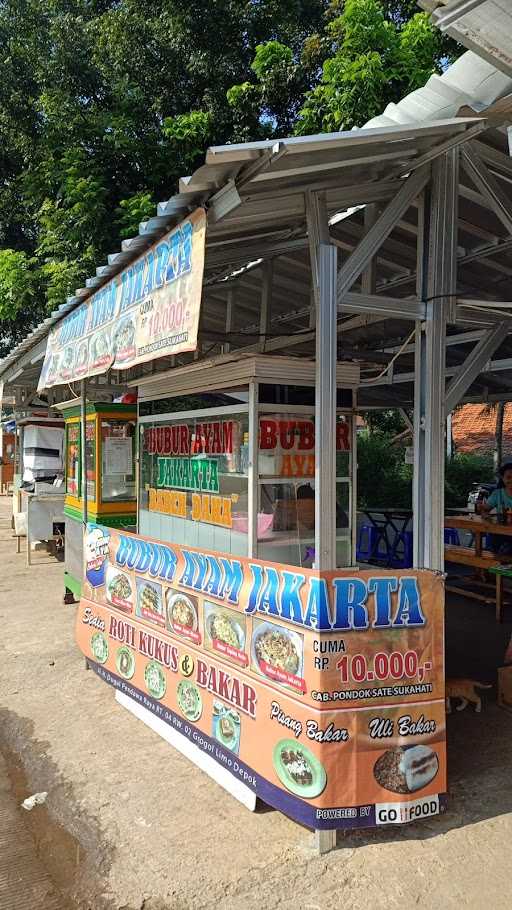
pixel 234 621
pixel 38 492
pixel 109 457
pixel 7 450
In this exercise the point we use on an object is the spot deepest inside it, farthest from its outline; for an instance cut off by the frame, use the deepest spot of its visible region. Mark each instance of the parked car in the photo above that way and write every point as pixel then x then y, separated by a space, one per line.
pixel 479 492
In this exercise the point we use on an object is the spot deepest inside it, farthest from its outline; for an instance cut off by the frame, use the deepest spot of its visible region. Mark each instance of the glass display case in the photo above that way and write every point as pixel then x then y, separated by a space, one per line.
pixel 110 464
pixel 234 470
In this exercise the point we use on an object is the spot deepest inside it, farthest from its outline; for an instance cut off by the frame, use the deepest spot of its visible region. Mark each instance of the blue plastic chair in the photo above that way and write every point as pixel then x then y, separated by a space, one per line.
pixel 366 543
pixel 401 557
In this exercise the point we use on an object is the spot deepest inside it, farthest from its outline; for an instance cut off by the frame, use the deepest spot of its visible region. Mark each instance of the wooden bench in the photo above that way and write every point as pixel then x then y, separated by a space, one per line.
pixel 486 561
pixel 466 556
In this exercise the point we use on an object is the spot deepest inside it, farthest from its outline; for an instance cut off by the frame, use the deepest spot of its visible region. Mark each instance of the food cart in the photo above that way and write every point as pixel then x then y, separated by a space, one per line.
pixel 235 621
pixel 38 491
pixel 7 449
pixel 109 458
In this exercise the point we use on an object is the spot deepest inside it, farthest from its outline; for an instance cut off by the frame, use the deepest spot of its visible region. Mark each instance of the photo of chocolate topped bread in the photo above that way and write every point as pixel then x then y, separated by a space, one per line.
pixel 406 770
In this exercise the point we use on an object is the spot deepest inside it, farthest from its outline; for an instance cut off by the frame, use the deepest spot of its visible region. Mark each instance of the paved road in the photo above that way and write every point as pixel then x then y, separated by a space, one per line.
pixel 24 882
pixel 138 827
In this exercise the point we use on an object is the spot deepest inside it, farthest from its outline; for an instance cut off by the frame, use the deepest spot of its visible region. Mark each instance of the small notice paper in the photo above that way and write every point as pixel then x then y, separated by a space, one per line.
pixel 117 456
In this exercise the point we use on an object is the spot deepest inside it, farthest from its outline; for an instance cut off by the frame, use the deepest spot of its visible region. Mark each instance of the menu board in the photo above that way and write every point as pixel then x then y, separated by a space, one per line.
pixel 117 455
pixel 323 692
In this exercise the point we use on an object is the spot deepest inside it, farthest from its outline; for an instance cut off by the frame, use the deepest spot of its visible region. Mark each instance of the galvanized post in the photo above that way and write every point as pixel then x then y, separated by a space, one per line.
pixel 439 282
pixel 252 495
pixel 266 301
pixel 324 272
pixel 83 444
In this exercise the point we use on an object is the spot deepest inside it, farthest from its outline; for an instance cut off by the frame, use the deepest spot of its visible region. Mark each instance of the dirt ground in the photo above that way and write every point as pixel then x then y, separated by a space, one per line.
pixel 132 825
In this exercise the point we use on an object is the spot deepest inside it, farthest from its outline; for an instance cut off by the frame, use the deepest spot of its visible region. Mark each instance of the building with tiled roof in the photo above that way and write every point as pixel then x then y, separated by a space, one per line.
pixel 474 429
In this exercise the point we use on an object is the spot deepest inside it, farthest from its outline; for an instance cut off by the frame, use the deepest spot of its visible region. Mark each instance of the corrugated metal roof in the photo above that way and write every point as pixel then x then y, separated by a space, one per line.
pixel 483 26
pixel 337 163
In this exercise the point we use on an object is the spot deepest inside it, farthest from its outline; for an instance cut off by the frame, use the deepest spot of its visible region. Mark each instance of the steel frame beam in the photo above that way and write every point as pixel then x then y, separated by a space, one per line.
pixel 473 365
pixel 488 185
pixel 389 307
pixel 381 229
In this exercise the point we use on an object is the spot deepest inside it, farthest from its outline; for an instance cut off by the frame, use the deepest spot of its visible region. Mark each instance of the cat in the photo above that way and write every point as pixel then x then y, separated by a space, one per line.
pixel 465 690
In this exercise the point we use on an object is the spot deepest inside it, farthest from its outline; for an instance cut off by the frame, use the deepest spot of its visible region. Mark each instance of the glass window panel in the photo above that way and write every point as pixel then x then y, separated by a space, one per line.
pixel 90 452
pixel 195 402
pixel 73 459
pixel 195 471
pixel 117 460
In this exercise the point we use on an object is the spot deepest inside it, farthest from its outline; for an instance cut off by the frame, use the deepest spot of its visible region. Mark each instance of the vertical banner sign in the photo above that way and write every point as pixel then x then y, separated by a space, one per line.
pixel 149 310
pixel 323 692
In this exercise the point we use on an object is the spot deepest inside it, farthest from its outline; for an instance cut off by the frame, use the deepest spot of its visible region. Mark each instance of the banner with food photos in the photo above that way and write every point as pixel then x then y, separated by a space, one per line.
pixel 150 310
pixel 322 691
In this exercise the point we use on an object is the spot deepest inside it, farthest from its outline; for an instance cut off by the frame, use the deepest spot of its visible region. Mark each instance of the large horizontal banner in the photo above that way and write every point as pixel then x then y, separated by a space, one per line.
pixel 149 310
pixel 324 690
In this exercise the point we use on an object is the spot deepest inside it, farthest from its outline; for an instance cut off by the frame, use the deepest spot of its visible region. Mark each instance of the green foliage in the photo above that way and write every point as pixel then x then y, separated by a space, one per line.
pixel 132 211
pixel 385 481
pixel 462 471
pixel 374 61
pixel 383 478
pixel 390 422
pixel 188 136
pixel 16 283
pixel 104 104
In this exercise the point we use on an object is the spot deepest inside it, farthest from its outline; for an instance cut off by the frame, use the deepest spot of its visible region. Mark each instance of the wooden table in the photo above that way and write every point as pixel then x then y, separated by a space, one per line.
pixel 479 526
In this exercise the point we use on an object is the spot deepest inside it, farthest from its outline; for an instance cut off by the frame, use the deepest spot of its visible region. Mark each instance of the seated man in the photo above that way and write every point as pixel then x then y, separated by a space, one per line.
pixel 501 501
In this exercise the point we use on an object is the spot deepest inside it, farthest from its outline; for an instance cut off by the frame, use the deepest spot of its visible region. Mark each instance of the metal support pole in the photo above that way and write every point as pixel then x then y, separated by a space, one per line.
pixel 369 276
pixel 252 505
pixel 325 411
pixel 229 320
pixel 266 301
pixel 324 273
pixel 353 482
pixel 438 285
pixel 83 438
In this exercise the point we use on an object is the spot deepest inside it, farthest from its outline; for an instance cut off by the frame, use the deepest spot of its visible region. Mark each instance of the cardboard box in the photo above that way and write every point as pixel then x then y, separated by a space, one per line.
pixel 505 688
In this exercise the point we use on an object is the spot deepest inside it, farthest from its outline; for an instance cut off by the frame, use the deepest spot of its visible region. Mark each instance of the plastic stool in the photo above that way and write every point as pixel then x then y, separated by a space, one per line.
pixel 403 561
pixel 451 537
pixel 366 542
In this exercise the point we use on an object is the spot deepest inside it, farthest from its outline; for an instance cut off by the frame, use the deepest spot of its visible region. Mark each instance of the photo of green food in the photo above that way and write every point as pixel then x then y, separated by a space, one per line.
pixel 99 647
pixel 189 700
pixel 298 769
pixel 155 680
pixel 125 662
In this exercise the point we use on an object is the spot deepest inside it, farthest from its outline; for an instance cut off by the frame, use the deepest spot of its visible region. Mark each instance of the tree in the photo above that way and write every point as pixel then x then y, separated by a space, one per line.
pixel 369 53
pixel 104 104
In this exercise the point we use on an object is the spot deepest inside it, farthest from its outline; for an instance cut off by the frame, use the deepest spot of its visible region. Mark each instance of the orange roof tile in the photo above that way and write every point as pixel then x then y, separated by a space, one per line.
pixel 474 429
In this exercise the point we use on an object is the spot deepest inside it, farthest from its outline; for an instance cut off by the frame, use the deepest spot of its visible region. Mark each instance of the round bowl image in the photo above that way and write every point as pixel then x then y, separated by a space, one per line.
pixel 155 680
pixel 221 626
pixel 278 647
pixel 125 662
pixel 99 647
pixel 181 610
pixel 298 769
pixel 189 700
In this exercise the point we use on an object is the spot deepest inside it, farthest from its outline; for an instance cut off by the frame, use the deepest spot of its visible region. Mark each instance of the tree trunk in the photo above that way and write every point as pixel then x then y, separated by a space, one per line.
pixel 498 452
